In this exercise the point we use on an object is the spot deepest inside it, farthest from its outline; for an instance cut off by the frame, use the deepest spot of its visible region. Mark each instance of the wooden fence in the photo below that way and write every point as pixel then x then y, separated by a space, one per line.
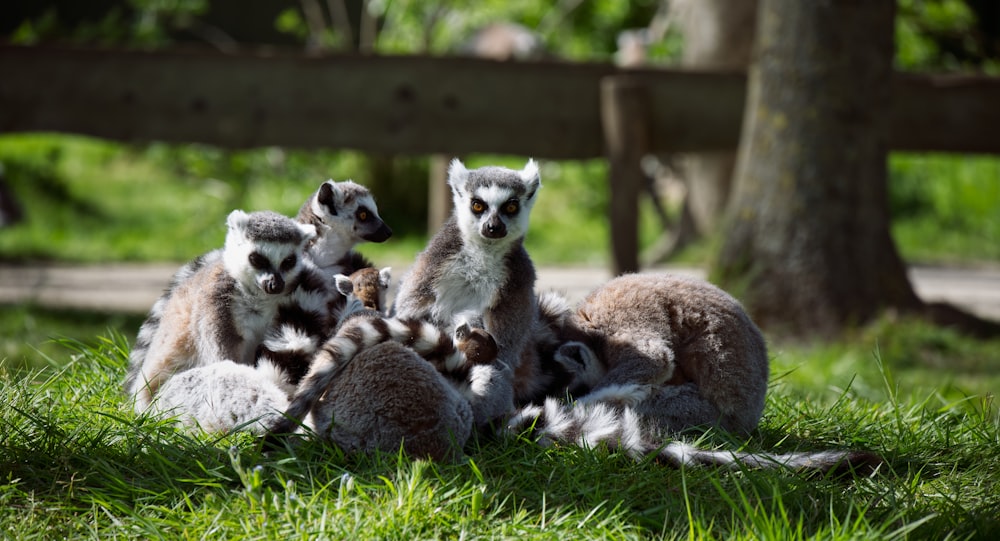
pixel 423 105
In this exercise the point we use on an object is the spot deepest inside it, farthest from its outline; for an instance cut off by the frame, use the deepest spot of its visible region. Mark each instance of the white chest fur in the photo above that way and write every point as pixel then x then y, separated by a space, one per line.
pixel 469 282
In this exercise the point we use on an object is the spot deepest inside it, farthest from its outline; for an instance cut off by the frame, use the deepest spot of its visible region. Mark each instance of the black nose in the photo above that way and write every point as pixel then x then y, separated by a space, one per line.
pixel 494 229
pixel 274 285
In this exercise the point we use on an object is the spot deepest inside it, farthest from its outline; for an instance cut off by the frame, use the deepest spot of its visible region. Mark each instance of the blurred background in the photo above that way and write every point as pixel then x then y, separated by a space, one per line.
pixel 70 199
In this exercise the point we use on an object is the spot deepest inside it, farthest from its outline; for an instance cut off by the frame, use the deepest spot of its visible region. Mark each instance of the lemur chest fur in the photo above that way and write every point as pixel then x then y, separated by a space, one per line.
pixel 470 281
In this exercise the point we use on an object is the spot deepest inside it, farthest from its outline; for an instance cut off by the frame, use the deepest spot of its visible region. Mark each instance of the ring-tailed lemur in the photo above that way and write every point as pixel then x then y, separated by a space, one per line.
pixel 221 310
pixel 344 215
pixel 662 353
pixel 476 263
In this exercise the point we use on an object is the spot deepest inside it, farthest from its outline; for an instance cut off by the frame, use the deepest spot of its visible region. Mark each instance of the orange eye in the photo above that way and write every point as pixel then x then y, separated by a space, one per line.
pixel 511 207
pixel 362 215
pixel 478 207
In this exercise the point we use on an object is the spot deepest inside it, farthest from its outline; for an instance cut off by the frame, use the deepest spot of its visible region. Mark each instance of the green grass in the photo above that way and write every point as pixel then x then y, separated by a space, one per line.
pixel 75 463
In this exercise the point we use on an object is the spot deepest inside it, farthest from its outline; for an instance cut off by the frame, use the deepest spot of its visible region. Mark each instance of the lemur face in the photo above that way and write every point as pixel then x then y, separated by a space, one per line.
pixel 349 207
pixel 264 250
pixel 493 203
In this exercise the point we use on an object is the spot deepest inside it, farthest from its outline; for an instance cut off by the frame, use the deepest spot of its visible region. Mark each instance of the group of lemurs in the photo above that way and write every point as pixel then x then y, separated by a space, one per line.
pixel 285 332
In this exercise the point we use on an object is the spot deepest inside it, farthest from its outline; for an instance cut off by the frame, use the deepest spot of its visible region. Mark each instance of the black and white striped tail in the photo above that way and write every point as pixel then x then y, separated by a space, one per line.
pixel 362 331
pixel 592 424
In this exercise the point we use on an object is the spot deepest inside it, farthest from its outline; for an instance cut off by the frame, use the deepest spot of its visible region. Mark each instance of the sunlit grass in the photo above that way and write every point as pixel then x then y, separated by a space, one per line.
pixel 75 462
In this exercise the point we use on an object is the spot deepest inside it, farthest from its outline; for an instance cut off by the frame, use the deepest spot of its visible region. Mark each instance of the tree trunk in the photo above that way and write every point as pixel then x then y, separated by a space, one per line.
pixel 807 243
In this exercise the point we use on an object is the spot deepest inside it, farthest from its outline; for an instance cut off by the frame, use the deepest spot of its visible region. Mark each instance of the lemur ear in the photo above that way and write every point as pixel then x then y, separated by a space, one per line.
pixel 530 177
pixel 327 198
pixel 458 175
pixel 237 219
pixel 344 284
pixel 385 277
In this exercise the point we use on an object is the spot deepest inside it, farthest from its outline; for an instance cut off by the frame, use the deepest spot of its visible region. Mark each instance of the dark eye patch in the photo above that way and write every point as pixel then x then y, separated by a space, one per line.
pixel 258 261
pixel 289 263
pixel 478 206
pixel 362 214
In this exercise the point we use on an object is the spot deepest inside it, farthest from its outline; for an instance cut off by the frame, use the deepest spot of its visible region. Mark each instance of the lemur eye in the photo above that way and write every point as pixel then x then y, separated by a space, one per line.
pixel 362 214
pixel 478 207
pixel 258 261
pixel 289 263
pixel 511 207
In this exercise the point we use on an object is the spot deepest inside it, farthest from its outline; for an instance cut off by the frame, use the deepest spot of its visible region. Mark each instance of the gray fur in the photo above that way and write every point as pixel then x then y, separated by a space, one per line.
pixel 661 354
pixel 684 336
pixel 391 398
pixel 476 264
pixel 223 397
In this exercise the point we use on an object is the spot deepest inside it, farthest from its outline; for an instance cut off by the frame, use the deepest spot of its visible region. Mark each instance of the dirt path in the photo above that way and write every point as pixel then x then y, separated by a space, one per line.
pixel 134 288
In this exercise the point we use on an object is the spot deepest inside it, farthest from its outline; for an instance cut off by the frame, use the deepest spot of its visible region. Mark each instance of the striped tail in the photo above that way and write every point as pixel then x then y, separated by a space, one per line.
pixel 595 423
pixel 357 333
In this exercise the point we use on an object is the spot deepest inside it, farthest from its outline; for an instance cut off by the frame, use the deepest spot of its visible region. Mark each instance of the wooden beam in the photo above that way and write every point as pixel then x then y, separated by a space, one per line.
pixel 417 104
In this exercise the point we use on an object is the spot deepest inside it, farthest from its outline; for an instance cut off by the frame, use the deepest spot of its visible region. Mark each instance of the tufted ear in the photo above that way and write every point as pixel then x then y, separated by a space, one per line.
pixel 385 277
pixel 237 219
pixel 530 177
pixel 344 284
pixel 458 175
pixel 328 197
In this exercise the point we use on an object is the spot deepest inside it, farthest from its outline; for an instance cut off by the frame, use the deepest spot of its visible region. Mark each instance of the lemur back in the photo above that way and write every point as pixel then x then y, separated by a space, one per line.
pixel 222 303
pixel 476 264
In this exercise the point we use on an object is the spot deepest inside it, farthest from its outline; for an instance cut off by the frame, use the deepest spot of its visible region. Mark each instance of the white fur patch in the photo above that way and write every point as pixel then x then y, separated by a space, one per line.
pixel 288 338
pixel 629 394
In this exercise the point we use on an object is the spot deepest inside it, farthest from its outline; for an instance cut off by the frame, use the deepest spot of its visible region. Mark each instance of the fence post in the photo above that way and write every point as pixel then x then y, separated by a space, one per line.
pixel 625 121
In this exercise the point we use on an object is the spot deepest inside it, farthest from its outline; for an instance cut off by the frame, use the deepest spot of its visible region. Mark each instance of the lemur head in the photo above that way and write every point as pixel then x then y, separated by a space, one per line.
pixel 264 250
pixel 368 285
pixel 493 203
pixel 344 214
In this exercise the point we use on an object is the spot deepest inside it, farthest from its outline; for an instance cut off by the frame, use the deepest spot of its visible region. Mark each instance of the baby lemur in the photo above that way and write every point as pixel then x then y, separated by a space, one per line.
pixel 476 264
pixel 221 310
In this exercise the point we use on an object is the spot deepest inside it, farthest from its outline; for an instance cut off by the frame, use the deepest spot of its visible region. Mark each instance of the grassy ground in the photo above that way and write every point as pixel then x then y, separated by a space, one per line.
pixel 74 462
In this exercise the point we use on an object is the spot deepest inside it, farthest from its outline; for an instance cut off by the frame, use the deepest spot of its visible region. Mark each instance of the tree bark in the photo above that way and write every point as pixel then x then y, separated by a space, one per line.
pixel 807 243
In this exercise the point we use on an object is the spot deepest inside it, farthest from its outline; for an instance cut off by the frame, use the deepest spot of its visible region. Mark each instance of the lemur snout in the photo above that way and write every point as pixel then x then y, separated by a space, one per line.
pixel 494 229
pixel 273 285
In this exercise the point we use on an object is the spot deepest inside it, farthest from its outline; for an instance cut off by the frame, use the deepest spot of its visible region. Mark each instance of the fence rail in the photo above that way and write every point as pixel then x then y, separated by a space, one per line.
pixel 421 105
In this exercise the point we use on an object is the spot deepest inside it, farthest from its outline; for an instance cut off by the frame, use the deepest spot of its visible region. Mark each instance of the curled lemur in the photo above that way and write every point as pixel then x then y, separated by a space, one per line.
pixel 389 397
pixel 659 354
pixel 223 307
pixel 364 327
pixel 477 264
